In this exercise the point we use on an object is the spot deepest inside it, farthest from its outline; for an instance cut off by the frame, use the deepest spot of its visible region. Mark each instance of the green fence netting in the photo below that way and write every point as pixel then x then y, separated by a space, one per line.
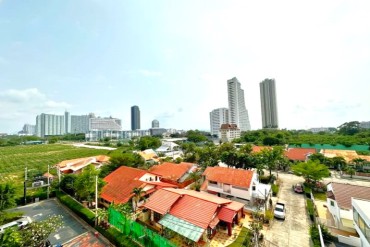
pixel 137 232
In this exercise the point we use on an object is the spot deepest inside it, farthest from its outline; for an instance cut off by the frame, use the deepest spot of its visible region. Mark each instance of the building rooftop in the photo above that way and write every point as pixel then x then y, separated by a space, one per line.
pixel 172 171
pixel 343 193
pixel 235 177
pixel 299 154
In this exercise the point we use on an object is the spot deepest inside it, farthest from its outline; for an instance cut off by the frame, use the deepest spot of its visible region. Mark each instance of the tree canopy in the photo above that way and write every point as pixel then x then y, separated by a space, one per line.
pixel 311 170
pixel 148 142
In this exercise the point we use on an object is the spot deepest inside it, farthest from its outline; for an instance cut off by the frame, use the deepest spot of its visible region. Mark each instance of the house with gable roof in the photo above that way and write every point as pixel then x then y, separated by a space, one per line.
pixel 299 154
pixel 177 174
pixel 77 165
pixel 339 203
pixel 194 215
pixel 236 184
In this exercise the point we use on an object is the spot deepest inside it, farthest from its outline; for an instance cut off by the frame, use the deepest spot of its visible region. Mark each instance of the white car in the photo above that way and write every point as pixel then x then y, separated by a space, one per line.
pixel 279 211
pixel 22 222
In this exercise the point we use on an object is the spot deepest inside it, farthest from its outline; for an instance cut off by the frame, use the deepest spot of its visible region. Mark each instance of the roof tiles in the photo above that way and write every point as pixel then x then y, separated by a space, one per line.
pixel 344 192
pixel 299 153
pixel 235 177
pixel 171 171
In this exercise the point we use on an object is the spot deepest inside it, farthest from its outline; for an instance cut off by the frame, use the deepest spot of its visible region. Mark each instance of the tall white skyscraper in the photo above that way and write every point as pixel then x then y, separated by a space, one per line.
pixel 217 117
pixel 268 104
pixel 238 113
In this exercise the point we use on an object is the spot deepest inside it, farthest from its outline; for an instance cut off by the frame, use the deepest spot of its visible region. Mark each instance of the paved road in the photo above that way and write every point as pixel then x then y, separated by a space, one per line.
pixel 294 231
pixel 73 229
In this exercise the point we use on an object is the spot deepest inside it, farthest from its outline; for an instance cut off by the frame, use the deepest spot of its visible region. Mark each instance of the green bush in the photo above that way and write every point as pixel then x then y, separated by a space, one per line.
pixel 310 209
pixel 275 189
pixel 116 237
pixel 76 207
pixel 315 235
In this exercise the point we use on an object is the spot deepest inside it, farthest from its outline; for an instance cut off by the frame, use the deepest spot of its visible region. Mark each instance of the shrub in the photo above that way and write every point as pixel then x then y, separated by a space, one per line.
pixel 275 189
pixel 315 235
pixel 76 207
pixel 116 237
pixel 310 209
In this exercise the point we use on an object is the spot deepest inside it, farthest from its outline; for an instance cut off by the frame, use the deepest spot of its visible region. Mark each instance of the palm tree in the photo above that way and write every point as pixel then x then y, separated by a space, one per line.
pixel 359 162
pixel 102 215
pixel 351 171
pixel 195 176
pixel 138 192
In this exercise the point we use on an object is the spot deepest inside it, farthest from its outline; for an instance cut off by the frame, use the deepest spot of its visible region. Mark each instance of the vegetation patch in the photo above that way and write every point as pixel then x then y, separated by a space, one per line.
pixel 310 209
pixel 275 189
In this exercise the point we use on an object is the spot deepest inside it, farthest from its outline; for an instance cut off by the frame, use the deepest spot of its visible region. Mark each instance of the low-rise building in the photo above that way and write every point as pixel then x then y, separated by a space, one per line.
pixel 77 165
pixel 229 132
pixel 361 220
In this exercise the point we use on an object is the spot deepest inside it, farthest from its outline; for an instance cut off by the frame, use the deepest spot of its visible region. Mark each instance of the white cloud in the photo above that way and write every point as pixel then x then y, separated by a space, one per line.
pixel 21 106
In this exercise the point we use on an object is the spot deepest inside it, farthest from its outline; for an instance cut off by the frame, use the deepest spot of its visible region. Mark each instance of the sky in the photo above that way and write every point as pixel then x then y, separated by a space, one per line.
pixel 173 58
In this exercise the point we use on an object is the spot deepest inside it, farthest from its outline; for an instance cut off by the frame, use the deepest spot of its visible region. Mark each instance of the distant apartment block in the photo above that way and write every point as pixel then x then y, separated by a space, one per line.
pixel 135 117
pixel 322 129
pixel 218 117
pixel 155 123
pixel 269 104
pixel 238 113
pixel 28 129
pixel 365 125
pixel 50 125
pixel 111 124
pixel 229 132
pixel 80 124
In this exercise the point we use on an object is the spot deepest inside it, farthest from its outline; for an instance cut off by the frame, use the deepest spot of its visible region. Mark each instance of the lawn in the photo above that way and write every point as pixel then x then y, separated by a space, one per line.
pixel 36 158
pixel 319 195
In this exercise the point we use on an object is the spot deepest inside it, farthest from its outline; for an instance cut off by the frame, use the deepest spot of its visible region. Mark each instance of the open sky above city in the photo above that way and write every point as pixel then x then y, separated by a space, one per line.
pixel 173 58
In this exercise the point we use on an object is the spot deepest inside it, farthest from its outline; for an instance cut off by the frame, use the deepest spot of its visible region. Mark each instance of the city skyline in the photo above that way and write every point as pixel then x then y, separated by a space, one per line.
pixel 81 57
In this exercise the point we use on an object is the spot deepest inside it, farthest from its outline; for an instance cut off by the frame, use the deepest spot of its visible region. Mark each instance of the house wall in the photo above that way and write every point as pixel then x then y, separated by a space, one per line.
pixel 333 209
pixel 230 190
pixel 148 176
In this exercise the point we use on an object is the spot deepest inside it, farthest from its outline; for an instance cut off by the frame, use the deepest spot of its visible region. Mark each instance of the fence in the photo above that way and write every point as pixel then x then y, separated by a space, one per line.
pixel 137 232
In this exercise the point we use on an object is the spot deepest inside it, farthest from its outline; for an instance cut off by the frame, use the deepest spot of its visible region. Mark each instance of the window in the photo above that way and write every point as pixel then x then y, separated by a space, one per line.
pixel 253 187
pixel 355 216
pixel 332 203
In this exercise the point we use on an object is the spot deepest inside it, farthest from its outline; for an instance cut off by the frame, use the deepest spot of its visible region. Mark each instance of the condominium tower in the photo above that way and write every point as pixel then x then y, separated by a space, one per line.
pixel 238 113
pixel 268 104
pixel 135 117
pixel 218 117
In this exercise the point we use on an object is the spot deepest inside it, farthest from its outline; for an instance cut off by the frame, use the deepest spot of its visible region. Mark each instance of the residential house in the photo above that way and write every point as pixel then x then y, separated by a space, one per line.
pixel 236 184
pixel 149 155
pixel 77 165
pixel 229 132
pixel 194 215
pixel 361 219
pixel 299 154
pixel 121 183
pixel 339 203
pixel 177 174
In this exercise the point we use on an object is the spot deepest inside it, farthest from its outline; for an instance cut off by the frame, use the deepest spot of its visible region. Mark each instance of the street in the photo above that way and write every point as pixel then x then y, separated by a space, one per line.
pixel 294 231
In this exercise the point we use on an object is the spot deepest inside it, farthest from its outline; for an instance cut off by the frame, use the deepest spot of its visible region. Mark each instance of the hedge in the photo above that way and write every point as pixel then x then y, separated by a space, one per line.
pixel 275 189
pixel 116 237
pixel 77 208
pixel 310 209
pixel 112 234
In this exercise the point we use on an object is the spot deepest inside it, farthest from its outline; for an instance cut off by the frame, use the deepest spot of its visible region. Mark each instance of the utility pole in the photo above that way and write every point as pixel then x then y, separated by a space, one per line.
pixel 48 182
pixel 96 199
pixel 25 186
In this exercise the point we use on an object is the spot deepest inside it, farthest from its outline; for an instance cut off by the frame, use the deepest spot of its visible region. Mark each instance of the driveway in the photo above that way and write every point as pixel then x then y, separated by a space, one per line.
pixel 73 229
pixel 294 231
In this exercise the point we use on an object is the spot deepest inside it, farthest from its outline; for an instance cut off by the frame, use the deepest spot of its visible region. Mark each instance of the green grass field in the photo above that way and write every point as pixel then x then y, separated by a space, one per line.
pixel 36 158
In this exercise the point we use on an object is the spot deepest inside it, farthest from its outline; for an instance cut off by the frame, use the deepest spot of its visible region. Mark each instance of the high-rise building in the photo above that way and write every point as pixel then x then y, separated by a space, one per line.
pixel 67 122
pixel 50 125
pixel 105 124
pixel 238 113
pixel 80 124
pixel 155 123
pixel 217 117
pixel 268 104
pixel 135 117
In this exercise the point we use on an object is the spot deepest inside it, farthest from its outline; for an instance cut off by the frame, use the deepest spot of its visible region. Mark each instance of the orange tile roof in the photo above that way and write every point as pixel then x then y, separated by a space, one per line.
pixel 161 201
pixel 257 149
pixel 171 171
pixel 214 222
pixel 348 155
pixel 344 192
pixel 226 215
pixel 236 177
pixel 201 195
pixel 194 210
pixel 299 153
pixel 120 184
pixel 149 155
pixel 235 206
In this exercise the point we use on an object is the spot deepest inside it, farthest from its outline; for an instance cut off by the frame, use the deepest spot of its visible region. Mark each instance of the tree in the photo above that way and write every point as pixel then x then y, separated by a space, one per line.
pixel 339 162
pixel 7 195
pixel 36 233
pixel 148 142
pixel 195 136
pixel 311 170
pixel 11 238
pixel 271 157
pixel 124 209
pixel 349 128
pixel 351 171
pixel 84 184
pixel 359 163
pixel 101 215
pixel 138 195
pixel 67 183
pixel 195 176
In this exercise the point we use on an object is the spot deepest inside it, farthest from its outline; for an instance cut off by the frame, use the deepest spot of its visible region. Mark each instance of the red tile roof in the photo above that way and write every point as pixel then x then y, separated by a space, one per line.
pixel 171 171
pixel 344 192
pixel 214 222
pixel 120 184
pixel 235 206
pixel 194 210
pixel 236 177
pixel 299 154
pixel 161 201
pixel 200 195
pixel 229 127
pixel 257 149
pixel 226 215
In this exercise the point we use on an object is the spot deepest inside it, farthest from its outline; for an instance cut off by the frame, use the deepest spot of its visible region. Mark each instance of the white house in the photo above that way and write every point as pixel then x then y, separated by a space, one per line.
pixel 339 203
pixel 235 184
pixel 361 218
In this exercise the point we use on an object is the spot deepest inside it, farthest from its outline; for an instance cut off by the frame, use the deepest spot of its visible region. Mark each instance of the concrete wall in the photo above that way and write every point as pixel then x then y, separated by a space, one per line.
pixel 352 241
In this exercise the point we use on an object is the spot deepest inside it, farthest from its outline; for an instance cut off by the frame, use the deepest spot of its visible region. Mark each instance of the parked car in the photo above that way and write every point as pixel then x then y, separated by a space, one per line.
pixel 279 211
pixel 298 188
